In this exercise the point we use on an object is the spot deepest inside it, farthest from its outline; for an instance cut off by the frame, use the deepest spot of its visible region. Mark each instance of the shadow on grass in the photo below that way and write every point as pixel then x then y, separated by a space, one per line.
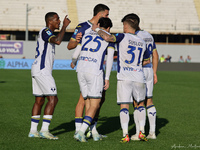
pixel 108 125
pixel 160 123
pixel 64 127
pixel 2 81
pixel 105 125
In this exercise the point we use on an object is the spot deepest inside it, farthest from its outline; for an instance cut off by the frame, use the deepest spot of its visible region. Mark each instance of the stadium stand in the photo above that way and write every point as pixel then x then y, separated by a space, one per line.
pixel 157 16
pixel 13 13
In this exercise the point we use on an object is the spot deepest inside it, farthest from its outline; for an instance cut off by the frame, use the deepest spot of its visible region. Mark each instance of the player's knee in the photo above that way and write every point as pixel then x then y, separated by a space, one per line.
pixel 81 103
pixel 39 101
pixel 95 106
pixel 53 100
pixel 140 104
pixel 149 102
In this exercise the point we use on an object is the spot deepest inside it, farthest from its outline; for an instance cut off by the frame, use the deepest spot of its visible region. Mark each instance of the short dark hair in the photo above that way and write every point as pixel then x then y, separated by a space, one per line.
pixel 98 8
pixel 49 15
pixel 105 22
pixel 133 20
pixel 131 16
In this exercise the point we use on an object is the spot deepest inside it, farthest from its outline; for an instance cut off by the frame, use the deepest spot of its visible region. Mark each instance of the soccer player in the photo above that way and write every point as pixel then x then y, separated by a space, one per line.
pixel 42 80
pixel 92 51
pixel 151 79
pixel 130 76
pixel 100 10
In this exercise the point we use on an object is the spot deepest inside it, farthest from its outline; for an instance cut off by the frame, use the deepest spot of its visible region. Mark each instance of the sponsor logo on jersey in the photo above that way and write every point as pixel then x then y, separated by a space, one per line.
pixel 132 69
pixel 89 59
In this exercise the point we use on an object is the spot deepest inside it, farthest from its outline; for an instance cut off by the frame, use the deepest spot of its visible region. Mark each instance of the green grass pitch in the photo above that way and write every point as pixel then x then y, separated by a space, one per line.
pixel 176 97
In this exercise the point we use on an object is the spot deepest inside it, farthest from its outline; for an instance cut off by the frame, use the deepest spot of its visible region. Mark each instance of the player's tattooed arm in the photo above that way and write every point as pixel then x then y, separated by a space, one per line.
pixel 107 37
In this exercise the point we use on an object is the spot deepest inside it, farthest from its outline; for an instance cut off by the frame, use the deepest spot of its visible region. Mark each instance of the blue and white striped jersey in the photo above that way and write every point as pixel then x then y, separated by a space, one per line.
pixel 45 53
pixel 150 44
pixel 131 52
pixel 92 53
pixel 84 28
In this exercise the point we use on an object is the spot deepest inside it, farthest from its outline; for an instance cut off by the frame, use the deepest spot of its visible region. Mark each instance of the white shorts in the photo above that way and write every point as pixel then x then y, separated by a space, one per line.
pixel 129 90
pixel 44 86
pixel 148 73
pixel 91 86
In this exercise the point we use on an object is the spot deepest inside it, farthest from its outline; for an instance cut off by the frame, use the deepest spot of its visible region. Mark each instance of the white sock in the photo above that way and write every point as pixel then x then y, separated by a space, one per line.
pixel 142 118
pixel 135 117
pixel 151 110
pixel 78 123
pixel 34 123
pixel 46 122
pixel 84 127
pixel 93 126
pixel 124 120
pixel 86 122
pixel 77 126
pixel 94 129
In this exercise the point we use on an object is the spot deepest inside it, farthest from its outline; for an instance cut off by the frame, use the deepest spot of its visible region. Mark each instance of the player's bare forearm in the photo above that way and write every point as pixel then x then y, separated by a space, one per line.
pixel 72 44
pixel 58 39
pixel 155 59
pixel 107 37
pixel 60 36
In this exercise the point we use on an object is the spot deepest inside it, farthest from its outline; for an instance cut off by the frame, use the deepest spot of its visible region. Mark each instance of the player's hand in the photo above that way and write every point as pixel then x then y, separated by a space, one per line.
pixel 78 37
pixel 106 86
pixel 155 78
pixel 66 21
pixel 94 26
pixel 72 65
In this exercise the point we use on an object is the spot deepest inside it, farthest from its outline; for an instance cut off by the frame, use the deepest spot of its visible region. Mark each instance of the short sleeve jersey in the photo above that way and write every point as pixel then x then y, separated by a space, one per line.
pixel 149 40
pixel 45 53
pixel 93 51
pixel 131 52
pixel 84 28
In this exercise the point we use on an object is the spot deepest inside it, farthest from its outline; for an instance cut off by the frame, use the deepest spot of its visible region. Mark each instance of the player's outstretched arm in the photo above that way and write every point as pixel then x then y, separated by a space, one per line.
pixel 58 39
